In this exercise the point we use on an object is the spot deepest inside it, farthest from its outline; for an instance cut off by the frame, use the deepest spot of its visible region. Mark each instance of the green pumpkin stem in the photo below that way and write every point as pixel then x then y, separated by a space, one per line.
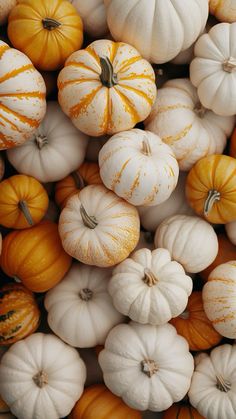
pixel 88 220
pixel 212 197
pixel 26 212
pixel 107 77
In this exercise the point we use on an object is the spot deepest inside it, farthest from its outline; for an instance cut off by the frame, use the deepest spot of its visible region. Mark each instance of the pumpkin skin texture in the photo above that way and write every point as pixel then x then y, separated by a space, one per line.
pixel 86 174
pixel 22 92
pixel 182 411
pixel 23 202
pixel 99 228
pixel 142 354
pixel 5 8
pixel 56 148
pixel 212 70
pixel 47 32
pixel 185 125
pixel 97 401
pixel 194 325
pixel 224 11
pixel 149 287
pixel 190 240
pixel 19 313
pixel 52 372
pixel 106 88
pixel 215 375
pixel 35 256
pixel 232 148
pixel 94 16
pixel 210 188
pixel 138 167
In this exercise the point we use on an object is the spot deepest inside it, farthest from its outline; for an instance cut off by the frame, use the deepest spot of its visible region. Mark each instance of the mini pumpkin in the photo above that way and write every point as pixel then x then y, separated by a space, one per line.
pixel 94 16
pixel 223 10
pixel 5 8
pixel 182 411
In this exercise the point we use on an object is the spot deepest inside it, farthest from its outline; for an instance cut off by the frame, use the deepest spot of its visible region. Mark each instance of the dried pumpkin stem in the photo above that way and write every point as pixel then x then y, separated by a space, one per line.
pixel 107 77
pixel 212 197
pixel 40 379
pixel 85 294
pixel 79 181
pixel 50 24
pixel 149 278
pixel 223 385
pixel 88 220
pixel 41 141
pixel 149 367
pixel 146 148
pixel 229 65
pixel 26 212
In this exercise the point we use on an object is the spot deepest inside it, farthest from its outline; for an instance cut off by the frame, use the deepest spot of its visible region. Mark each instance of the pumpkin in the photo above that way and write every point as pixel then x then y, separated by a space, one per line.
pixel 212 70
pixel 97 401
pixel 159 30
pixel 219 299
pixel 106 88
pixel 212 390
pixel 99 228
pixel 149 287
pixel 35 256
pixel 2 167
pixel 87 303
pixel 86 174
pixel 190 240
pixel 182 411
pixel 185 125
pixel 194 325
pixel 232 149
pixel 94 16
pixel 22 93
pixel 149 367
pixel 19 313
pixel 56 148
pixel 23 202
pixel 47 32
pixel 231 233
pixel 5 8
pixel 225 10
pixel 138 167
pixel 41 377
pixel 210 188
pixel 94 146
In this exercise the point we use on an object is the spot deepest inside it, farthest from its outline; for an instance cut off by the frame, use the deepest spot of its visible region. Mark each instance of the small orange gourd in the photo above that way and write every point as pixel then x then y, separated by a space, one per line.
pixel 232 147
pixel 182 411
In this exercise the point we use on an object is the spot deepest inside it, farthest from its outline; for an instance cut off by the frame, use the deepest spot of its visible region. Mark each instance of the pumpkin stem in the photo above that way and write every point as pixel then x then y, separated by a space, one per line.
pixel 26 212
pixel 184 315
pixel 229 65
pixel 79 181
pixel 88 220
pixel 212 197
pixel 149 278
pixel 85 294
pixel 40 379
pixel 200 110
pixel 41 141
pixel 222 385
pixel 107 77
pixel 146 148
pixel 17 279
pixel 149 367
pixel 50 24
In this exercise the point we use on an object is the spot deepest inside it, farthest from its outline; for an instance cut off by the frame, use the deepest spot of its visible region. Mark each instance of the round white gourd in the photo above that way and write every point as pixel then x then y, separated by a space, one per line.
pixel 231 231
pixel 94 16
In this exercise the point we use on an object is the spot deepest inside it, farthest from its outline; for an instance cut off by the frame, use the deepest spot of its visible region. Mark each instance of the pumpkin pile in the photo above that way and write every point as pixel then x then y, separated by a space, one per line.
pixel 117 209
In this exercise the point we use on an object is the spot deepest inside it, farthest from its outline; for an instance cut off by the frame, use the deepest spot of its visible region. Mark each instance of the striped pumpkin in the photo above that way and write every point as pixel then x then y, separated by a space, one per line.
pixel 106 88
pixel 19 313
pixel 22 97
pixel 223 10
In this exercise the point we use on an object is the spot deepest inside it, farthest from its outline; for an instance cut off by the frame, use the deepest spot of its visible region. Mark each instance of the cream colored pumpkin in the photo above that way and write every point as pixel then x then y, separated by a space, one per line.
pixel 187 127
pixel 213 386
pixel 150 367
pixel 22 93
pixel 213 70
pixel 99 228
pixel 223 10
pixel 5 8
pixel 56 148
pixel 190 240
pixel 138 167
pixel 41 377
pixel 94 16
pixel 2 167
pixel 106 88
pixel 231 231
pixel 80 310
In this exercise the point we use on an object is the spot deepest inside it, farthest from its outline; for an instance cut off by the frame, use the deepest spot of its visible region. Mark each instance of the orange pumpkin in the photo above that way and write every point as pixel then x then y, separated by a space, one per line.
pixel 46 31
pixel 19 313
pixel 210 188
pixel 35 256
pixel 98 402
pixel 87 174
pixel 232 147
pixel 194 325
pixel 23 202
pixel 182 411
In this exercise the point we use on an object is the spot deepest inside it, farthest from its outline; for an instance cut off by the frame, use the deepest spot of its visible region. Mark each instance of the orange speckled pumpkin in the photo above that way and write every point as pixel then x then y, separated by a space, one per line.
pixel 47 31
pixel 194 325
pixel 19 313
pixel 23 202
pixel 210 188
pixel 87 174
pixel 232 148
pixel 98 402
pixel 182 411
pixel 35 256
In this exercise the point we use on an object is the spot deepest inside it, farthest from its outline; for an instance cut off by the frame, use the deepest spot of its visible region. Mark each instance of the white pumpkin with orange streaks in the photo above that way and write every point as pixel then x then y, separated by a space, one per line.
pixel 138 167
pixel 99 228
pixel 219 295
pixel 185 125
pixel 106 88
pixel 22 97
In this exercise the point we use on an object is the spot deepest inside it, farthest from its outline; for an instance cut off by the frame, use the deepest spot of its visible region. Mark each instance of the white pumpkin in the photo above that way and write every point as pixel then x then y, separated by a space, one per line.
pixel 80 310
pixel 149 287
pixel 5 8
pixel 94 146
pixel 213 70
pixel 94 16
pixel 41 377
pixel 56 149
pixel 138 167
pixel 185 125
pixel 190 240
pixel 158 29
pixel 223 10
pixel 213 386
pixel 231 231
pixel 150 367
